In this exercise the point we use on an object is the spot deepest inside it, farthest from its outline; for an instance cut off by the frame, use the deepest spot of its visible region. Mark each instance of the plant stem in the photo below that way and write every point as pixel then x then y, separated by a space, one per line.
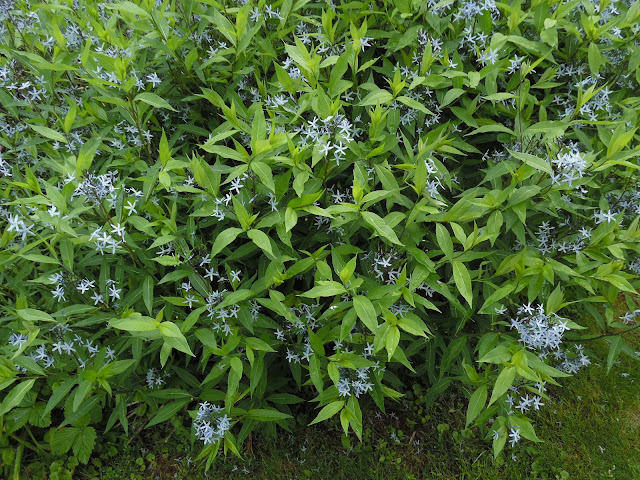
pixel 604 335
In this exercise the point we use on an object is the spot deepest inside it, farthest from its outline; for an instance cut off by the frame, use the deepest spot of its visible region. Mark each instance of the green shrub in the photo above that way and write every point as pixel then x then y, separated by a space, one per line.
pixel 232 208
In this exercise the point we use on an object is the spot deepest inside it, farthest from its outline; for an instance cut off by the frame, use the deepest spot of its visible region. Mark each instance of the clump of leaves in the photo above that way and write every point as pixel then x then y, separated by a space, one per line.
pixel 231 208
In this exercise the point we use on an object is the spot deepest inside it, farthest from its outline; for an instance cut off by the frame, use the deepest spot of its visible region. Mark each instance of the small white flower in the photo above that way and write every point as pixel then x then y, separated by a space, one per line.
pixel 514 436
pixel 114 292
pixel 131 207
pixel 235 275
pixel 59 293
pixel 189 299
pixel 118 229
pixel 97 298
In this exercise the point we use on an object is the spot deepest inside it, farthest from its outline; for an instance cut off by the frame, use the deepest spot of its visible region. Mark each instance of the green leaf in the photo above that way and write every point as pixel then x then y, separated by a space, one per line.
pixel 168 261
pixel 70 118
pixel 258 344
pixel 171 394
pixel 83 443
pixel 223 24
pixel 62 439
pixel 236 365
pixel 328 411
pixel 128 7
pixel 381 227
pixel 619 282
pixel 594 58
pixel 264 173
pixel 86 154
pixel 164 153
pixel 327 289
pixel 223 239
pixel 298 55
pixel 494 127
pixel 224 152
pixel 476 403
pixel 444 240
pixel 154 100
pixel 536 162
pixel 167 411
pixel 503 382
pixel 410 102
pixel 499 442
pixel 147 292
pixel 410 324
pixel 66 253
pixel 15 396
pixel 451 95
pixel 315 373
pixel 258 126
pixel 137 323
pixel 615 347
pixel 33 315
pixel 497 355
pixel 523 193
pixel 284 399
pixel 49 133
pixel 266 415
pixel 526 429
pixel 376 98
pixel 58 394
pixel 81 392
pixel 392 340
pixel 238 296
pixel 85 408
pixel 549 128
pixel 463 280
pixel 366 312
pixel 497 295
pixel 261 239
pixel 34 257
pixel 174 337
pixel 290 218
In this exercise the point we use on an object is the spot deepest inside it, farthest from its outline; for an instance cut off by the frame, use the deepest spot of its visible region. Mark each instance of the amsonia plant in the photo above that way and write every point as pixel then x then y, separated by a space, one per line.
pixel 229 208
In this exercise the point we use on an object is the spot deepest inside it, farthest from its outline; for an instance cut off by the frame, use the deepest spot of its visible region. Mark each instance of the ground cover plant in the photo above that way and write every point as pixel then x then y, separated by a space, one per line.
pixel 234 208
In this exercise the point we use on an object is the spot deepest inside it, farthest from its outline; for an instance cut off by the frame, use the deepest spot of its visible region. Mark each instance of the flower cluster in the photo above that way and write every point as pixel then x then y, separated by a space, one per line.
pixel 569 165
pixel 354 382
pixel 97 188
pixel 156 378
pixel 210 427
pixel 386 266
pixel 537 330
pixel 523 401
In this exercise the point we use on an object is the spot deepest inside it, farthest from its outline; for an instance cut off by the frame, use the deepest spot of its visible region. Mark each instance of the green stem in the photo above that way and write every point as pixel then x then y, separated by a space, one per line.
pixel 18 460
pixel 604 335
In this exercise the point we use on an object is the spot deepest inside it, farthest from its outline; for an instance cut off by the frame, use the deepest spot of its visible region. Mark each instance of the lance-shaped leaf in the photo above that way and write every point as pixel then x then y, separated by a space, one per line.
pixel 16 395
pixel 223 239
pixel 380 226
pixel 476 403
pixel 261 239
pixel 463 280
pixel 328 411
pixel 366 312
pixel 503 382
pixel 154 100
pixel 325 289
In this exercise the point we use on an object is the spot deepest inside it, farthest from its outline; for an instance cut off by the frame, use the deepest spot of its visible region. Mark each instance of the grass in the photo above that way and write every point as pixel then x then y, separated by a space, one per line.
pixel 591 430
